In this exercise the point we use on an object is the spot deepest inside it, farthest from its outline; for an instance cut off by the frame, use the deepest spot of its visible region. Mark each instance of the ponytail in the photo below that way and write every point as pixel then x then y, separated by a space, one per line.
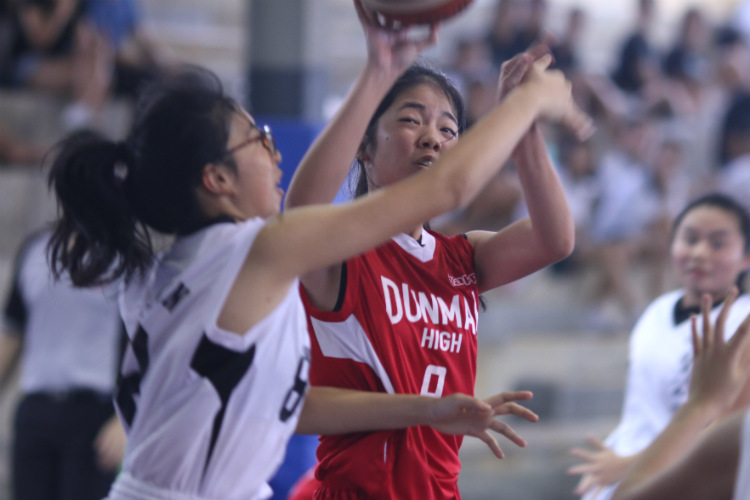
pixel 96 239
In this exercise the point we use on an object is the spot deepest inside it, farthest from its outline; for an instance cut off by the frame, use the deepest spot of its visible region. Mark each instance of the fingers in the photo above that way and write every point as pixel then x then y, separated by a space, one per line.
pixel 741 338
pixel 517 410
pixel 507 431
pixel 706 316
pixel 721 320
pixel 586 482
pixel 502 404
pixel 694 335
pixel 541 48
pixel 581 453
pixel 506 397
pixel 580 488
pixel 543 62
pixel 491 442
pixel 596 443
pixel 580 123
pixel 581 469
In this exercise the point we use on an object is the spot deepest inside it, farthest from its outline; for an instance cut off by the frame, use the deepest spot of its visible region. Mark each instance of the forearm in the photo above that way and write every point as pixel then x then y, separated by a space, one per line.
pixel 330 410
pixel 326 164
pixel 687 423
pixel 552 222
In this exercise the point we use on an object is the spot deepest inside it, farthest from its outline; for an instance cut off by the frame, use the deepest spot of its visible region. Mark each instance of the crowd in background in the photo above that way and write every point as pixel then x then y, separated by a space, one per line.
pixel 673 123
pixel 85 51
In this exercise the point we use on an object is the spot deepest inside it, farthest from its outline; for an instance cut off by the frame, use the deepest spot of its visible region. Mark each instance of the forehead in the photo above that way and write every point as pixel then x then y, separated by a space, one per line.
pixel 710 218
pixel 429 95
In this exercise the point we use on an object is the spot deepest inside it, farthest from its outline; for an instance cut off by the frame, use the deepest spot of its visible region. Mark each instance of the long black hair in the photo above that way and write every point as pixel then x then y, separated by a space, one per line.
pixel 729 205
pixel 110 193
pixel 417 74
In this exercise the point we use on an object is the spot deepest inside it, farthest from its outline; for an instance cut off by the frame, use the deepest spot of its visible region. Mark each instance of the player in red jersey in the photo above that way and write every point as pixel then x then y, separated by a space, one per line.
pixel 402 318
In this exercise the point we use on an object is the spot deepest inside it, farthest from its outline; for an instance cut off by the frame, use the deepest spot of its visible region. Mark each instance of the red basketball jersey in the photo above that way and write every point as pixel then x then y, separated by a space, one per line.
pixel 407 325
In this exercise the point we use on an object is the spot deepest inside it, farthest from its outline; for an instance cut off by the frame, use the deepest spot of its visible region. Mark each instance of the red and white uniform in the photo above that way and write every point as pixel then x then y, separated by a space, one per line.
pixel 407 325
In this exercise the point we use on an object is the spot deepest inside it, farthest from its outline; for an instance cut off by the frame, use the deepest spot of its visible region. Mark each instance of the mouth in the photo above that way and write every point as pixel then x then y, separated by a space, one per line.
pixel 426 161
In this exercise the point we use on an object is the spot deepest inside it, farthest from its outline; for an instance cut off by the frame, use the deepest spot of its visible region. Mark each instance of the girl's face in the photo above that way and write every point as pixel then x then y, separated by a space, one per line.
pixel 411 135
pixel 708 253
pixel 256 185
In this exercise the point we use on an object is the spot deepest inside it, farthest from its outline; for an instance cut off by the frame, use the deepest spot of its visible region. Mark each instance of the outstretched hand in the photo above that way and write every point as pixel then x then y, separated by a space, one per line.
pixel 462 414
pixel 389 48
pixel 720 368
pixel 554 92
pixel 513 71
pixel 601 467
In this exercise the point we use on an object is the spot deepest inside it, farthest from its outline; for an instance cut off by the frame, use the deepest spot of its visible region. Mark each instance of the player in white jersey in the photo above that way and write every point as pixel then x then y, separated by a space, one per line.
pixel 700 455
pixel 710 253
pixel 215 378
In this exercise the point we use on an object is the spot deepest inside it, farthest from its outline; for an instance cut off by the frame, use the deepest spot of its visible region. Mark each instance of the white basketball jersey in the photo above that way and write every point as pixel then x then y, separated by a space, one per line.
pixel 208 412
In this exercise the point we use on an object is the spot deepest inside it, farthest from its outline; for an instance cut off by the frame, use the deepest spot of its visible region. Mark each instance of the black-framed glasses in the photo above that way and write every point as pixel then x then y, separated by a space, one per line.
pixel 264 136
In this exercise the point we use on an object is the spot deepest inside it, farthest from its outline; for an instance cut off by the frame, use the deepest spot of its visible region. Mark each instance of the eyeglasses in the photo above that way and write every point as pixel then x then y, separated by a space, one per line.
pixel 265 137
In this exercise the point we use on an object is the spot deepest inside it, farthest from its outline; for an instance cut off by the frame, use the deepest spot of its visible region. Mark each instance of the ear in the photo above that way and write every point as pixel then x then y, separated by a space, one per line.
pixel 364 153
pixel 217 179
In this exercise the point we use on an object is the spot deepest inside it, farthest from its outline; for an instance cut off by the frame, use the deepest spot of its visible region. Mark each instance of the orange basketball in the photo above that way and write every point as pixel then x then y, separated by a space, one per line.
pixel 408 12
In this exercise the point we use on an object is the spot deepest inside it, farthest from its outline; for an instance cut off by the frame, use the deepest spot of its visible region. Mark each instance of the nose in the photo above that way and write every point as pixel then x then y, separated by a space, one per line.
pixel 700 249
pixel 431 139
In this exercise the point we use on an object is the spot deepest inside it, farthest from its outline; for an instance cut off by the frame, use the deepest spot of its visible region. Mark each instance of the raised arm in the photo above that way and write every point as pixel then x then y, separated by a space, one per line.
pixel 548 234
pixel 326 164
pixel 303 240
pixel 671 467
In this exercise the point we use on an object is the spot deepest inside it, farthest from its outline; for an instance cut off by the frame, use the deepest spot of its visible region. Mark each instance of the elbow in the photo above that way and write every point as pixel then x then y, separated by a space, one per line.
pixel 561 247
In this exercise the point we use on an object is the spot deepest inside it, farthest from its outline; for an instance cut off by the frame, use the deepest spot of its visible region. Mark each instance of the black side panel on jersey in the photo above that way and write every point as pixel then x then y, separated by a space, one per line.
pixel 130 384
pixel 224 368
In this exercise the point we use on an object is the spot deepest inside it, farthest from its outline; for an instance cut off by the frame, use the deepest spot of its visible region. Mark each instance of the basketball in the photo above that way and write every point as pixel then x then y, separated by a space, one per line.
pixel 407 12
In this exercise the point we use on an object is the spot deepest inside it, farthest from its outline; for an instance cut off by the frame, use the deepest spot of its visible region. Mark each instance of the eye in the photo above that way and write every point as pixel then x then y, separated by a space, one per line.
pixel 718 244
pixel 449 132
pixel 408 119
pixel 690 239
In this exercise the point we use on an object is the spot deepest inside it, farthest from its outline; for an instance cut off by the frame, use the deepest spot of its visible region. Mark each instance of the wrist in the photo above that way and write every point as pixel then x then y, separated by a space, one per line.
pixel 528 94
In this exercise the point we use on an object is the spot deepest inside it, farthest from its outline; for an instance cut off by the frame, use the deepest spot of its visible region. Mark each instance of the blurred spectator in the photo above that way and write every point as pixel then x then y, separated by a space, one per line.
pixel 509 19
pixel 686 62
pixel 733 56
pixel 734 178
pixel 636 63
pixel 54 49
pixel 14 150
pixel 577 171
pixel 627 206
pixel 741 18
pixel 67 441
pixel 566 50
pixel 532 27
pixel 137 58
pixel 472 71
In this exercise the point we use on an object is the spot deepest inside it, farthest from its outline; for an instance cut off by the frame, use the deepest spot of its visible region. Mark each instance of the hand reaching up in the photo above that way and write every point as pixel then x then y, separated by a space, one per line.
pixel 553 92
pixel 720 368
pixel 389 49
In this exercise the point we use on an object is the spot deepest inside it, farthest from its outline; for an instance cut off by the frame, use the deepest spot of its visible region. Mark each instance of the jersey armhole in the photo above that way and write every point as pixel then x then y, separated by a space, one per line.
pixel 342 289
